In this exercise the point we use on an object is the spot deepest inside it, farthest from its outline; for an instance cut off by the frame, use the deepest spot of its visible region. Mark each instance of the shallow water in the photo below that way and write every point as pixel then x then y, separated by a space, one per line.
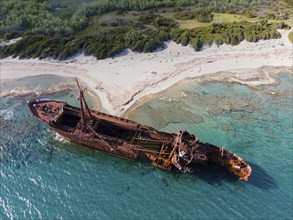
pixel 42 176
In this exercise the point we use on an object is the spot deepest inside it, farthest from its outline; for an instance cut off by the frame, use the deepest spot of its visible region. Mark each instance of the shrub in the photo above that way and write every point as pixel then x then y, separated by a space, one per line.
pixel 11 35
pixel 157 20
pixel 185 15
pixel 204 16
pixel 141 40
pixel 200 15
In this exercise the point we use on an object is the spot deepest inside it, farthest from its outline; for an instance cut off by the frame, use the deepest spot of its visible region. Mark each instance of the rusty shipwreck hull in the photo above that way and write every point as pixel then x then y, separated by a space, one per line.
pixel 133 141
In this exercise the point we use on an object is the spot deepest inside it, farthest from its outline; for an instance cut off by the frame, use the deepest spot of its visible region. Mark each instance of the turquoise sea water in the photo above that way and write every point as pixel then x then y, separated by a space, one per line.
pixel 42 176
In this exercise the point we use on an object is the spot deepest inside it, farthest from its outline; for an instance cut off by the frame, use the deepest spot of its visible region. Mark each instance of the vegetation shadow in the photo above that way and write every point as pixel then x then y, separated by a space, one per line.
pixel 124 52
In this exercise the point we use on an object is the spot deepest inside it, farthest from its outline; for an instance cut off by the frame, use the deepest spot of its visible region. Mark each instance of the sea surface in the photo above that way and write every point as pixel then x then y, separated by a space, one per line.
pixel 45 177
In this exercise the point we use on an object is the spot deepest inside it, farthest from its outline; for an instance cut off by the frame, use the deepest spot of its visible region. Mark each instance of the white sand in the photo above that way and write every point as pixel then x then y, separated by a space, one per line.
pixel 121 81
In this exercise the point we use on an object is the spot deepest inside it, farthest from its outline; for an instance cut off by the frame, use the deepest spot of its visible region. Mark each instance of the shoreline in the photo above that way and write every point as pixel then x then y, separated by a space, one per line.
pixel 255 78
pixel 121 81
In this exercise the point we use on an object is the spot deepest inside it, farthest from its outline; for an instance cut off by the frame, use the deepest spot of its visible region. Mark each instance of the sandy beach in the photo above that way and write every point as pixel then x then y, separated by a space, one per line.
pixel 120 81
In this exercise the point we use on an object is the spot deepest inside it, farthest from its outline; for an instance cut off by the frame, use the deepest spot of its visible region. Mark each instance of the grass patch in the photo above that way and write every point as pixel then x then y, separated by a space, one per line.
pixel 289 21
pixel 217 18
pixel 222 18
pixel 229 18
pixel 190 24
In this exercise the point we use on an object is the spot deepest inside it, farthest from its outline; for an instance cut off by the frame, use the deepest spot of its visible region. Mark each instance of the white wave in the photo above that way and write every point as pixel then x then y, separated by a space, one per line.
pixel 40 142
pixel 33 180
pixel 58 137
pixel 7 208
pixel 31 207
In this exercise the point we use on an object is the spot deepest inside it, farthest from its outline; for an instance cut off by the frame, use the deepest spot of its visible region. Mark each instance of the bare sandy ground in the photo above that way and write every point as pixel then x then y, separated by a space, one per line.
pixel 119 82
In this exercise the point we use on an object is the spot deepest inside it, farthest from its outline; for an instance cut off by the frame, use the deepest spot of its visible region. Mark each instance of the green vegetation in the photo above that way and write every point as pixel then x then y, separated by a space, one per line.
pixel 232 33
pixel 61 28
pixel 217 18
pixel 290 37
pixel 34 45
pixel 20 16
pixel 226 17
pixel 157 21
pixel 203 16
pixel 38 45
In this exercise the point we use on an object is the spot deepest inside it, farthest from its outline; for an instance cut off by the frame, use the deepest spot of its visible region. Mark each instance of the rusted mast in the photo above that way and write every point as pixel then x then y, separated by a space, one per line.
pixel 82 101
pixel 89 115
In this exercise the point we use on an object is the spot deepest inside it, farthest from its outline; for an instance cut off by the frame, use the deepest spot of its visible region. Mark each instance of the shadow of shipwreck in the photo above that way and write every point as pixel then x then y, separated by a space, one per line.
pixel 213 175
pixel 217 175
pixel 260 178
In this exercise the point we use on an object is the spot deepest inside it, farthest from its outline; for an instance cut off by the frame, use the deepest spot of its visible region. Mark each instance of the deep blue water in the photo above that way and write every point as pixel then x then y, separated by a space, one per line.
pixel 43 177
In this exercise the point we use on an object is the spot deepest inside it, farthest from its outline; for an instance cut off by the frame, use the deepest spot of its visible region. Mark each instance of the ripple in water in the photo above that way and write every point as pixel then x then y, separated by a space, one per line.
pixel 43 177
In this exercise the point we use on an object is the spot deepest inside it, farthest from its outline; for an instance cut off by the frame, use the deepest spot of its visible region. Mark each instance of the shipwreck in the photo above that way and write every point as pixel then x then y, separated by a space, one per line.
pixel 130 140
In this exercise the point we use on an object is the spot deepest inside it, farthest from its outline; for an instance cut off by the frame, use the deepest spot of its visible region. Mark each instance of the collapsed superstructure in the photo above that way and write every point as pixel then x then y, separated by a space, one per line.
pixel 130 140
